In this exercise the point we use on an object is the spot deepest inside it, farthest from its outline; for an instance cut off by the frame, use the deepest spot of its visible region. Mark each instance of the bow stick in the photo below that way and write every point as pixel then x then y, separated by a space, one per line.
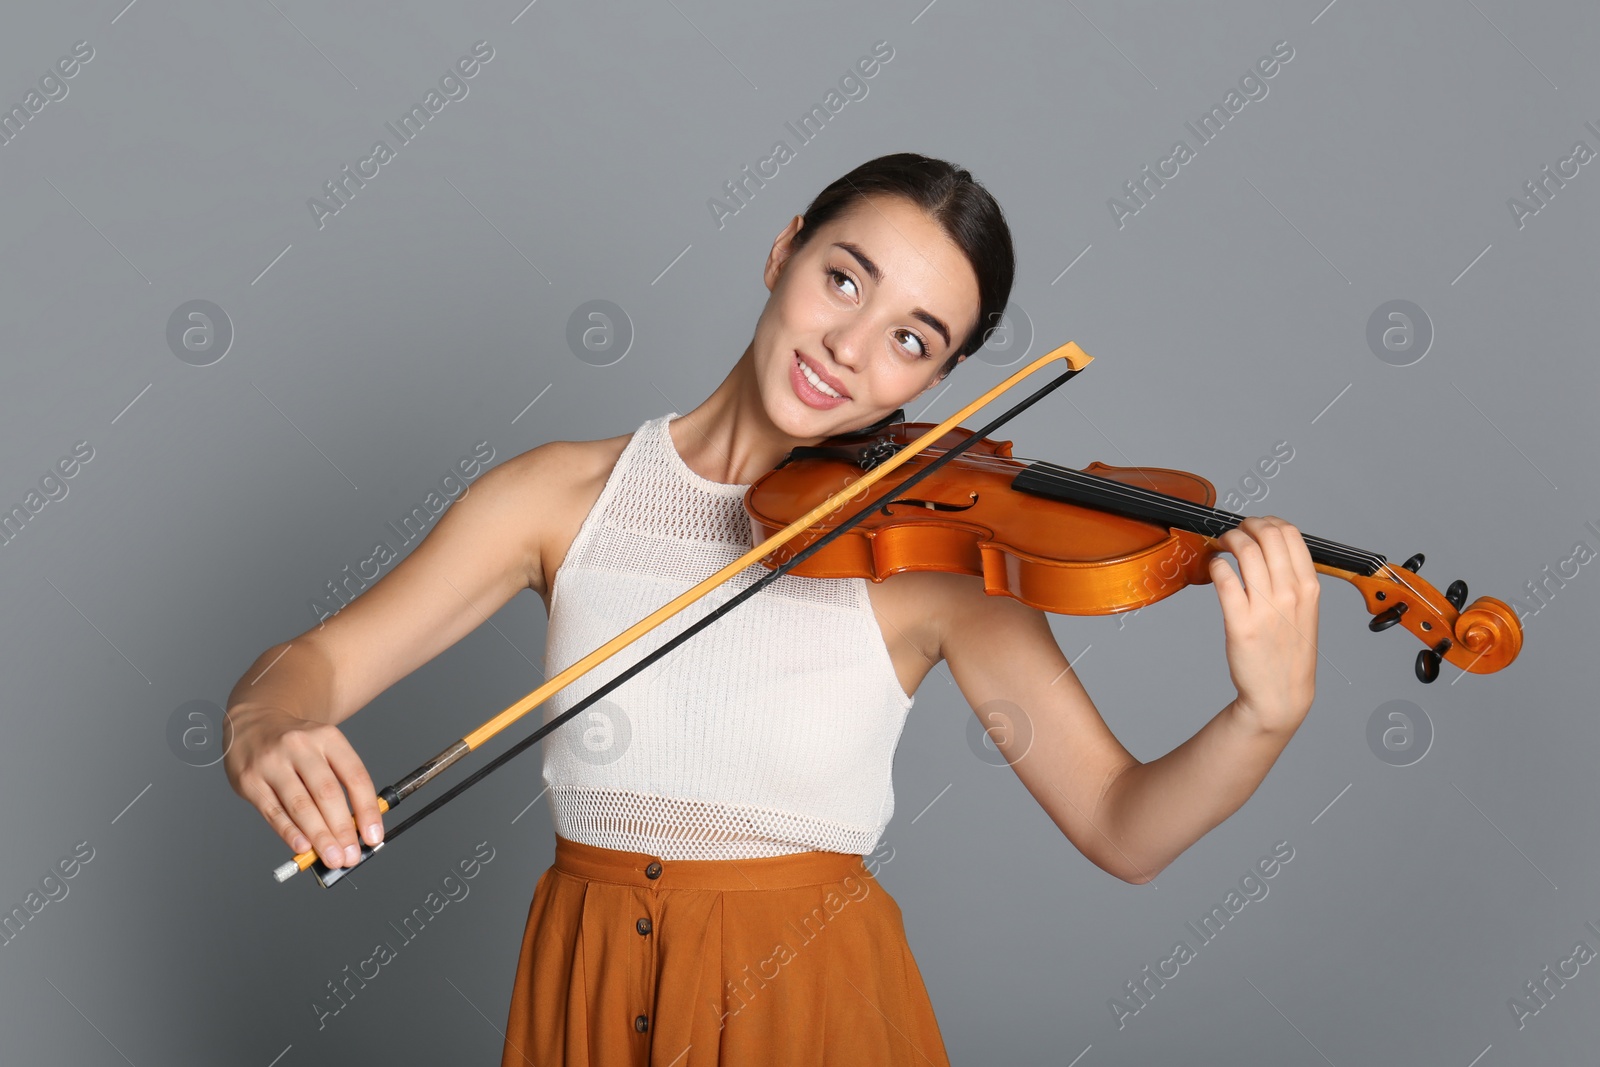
pixel 391 795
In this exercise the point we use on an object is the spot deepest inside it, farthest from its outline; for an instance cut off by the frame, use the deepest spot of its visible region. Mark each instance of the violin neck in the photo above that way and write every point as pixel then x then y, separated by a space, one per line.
pixel 1052 480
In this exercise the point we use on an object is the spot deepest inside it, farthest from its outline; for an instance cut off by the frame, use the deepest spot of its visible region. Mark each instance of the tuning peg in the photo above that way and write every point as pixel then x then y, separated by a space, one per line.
pixel 1388 618
pixel 1428 660
pixel 1414 564
pixel 1456 594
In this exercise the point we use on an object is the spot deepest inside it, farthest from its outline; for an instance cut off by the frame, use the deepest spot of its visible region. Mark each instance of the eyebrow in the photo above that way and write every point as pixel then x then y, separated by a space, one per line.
pixel 877 276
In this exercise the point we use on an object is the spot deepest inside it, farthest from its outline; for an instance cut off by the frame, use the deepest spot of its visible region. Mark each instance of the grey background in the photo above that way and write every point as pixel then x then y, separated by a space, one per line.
pixel 371 354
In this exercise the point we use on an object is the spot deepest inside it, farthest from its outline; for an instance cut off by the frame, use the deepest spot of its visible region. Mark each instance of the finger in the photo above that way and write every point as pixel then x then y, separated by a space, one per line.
pixel 271 808
pixel 358 784
pixel 292 793
pixel 329 796
pixel 1293 573
pixel 1298 596
pixel 1275 551
pixel 1229 591
pixel 1241 541
pixel 1305 568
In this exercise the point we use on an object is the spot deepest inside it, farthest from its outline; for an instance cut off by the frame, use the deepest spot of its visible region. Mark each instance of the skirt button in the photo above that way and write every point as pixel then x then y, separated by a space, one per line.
pixel 641 1024
pixel 643 926
pixel 652 871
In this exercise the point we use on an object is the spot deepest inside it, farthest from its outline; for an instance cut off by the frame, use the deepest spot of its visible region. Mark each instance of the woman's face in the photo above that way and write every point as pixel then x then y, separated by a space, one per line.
pixel 874 304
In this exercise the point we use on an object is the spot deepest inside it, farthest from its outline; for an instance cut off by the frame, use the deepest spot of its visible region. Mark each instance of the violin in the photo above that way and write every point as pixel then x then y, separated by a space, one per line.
pixel 1096 541
pixel 1091 542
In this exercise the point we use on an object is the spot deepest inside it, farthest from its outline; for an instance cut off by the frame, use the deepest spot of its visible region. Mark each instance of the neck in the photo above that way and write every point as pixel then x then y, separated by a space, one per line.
pixel 729 437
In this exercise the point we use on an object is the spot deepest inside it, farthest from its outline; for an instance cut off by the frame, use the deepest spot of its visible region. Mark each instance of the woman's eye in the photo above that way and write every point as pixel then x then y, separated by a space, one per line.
pixel 922 349
pixel 841 274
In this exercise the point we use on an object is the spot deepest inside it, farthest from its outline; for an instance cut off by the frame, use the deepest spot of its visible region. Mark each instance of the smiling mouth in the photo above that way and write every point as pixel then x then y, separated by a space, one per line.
pixel 816 380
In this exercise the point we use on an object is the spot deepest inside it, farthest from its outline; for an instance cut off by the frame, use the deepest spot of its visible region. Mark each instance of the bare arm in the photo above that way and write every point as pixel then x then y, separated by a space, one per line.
pixel 286 754
pixel 1158 809
pixel 1002 654
pixel 1270 618
pixel 1132 818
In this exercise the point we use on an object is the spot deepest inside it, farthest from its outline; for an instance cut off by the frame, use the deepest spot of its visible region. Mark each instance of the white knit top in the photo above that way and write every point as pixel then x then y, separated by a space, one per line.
pixel 771 731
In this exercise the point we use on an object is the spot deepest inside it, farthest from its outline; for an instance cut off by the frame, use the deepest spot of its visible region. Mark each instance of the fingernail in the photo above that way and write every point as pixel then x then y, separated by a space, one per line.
pixel 330 858
pixel 301 844
pixel 374 833
pixel 351 854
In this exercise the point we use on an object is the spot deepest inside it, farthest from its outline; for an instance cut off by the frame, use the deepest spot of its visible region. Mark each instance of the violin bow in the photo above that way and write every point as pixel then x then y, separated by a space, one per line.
pixel 390 796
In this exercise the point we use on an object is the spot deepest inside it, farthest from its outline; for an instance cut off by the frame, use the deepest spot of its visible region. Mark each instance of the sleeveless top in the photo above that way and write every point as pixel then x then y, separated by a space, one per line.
pixel 769 732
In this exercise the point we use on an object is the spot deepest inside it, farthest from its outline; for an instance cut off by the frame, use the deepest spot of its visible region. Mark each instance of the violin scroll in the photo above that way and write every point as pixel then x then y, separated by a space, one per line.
pixel 1481 638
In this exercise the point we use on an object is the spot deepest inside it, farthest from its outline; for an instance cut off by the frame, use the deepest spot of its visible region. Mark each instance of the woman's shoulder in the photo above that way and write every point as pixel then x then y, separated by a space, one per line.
pixel 566 478
pixel 575 462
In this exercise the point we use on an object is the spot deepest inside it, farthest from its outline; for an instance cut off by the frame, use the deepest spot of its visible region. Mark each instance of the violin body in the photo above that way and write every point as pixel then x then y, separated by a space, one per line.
pixel 1096 541
pixel 966 519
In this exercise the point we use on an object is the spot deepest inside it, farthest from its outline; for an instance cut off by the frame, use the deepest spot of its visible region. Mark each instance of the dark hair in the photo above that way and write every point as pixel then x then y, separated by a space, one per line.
pixel 954 199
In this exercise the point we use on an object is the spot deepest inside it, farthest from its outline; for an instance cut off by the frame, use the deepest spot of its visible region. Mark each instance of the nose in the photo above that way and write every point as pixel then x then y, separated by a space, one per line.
pixel 848 344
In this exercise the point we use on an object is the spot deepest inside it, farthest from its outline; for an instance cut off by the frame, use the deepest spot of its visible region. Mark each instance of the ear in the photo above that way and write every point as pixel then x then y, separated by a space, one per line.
pixel 940 378
pixel 782 249
pixel 946 374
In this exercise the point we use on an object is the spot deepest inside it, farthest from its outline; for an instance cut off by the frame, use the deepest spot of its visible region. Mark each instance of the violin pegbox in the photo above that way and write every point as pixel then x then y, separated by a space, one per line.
pixel 1482 638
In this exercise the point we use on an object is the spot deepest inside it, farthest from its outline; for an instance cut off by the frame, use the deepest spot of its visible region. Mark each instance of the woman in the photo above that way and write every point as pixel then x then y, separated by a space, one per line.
pixel 712 899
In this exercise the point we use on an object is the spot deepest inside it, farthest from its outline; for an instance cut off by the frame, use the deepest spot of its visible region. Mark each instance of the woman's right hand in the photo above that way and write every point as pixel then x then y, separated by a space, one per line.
pixel 292 769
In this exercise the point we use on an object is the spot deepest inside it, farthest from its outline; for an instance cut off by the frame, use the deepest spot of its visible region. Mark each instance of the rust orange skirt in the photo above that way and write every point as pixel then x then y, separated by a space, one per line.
pixel 782 961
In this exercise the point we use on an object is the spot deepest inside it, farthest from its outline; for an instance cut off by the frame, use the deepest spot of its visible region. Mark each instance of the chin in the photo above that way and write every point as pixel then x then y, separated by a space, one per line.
pixel 803 423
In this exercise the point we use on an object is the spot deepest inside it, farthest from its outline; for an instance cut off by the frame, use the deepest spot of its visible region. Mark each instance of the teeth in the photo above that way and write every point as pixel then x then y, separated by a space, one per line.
pixel 811 376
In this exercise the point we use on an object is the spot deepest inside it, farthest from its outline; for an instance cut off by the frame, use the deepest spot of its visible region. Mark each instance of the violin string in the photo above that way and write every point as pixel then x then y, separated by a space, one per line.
pixel 1112 488
pixel 1380 567
pixel 1063 476
pixel 1375 563
pixel 1198 511
pixel 1397 574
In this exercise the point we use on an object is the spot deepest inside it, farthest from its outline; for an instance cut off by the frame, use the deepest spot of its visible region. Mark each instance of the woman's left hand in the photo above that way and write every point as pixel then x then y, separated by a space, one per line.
pixel 1270 621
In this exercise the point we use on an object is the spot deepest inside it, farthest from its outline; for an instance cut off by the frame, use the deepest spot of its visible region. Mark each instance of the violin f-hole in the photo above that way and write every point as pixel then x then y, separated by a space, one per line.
pixel 932 505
